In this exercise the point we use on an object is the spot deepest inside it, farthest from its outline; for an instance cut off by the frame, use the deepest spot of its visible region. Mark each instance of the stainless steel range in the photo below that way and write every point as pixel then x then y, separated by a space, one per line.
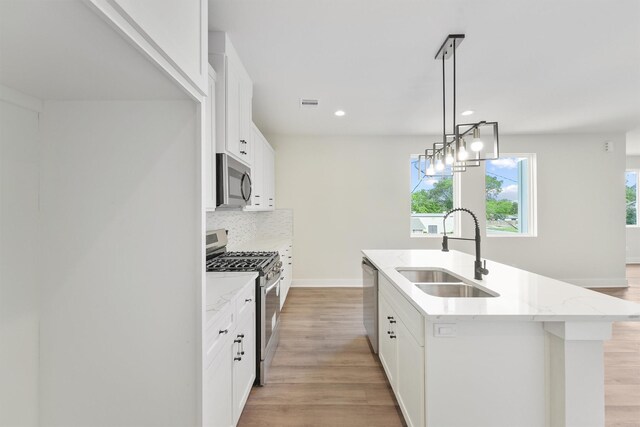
pixel 268 266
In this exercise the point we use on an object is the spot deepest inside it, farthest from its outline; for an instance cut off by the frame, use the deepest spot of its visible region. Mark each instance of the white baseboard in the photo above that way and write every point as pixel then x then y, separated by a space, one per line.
pixel 326 283
pixel 599 283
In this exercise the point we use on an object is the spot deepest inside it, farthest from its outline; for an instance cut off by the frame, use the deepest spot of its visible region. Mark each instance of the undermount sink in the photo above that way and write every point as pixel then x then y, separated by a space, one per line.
pixel 428 276
pixel 440 283
pixel 453 290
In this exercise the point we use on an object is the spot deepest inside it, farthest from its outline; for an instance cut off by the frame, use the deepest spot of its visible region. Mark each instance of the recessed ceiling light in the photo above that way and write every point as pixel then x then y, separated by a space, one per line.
pixel 339 113
pixel 467 113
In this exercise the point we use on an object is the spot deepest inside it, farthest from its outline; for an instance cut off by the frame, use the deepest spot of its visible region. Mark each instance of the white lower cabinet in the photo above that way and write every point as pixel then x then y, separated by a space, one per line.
pixel 218 407
pixel 286 256
pixel 230 375
pixel 387 340
pixel 244 363
pixel 401 355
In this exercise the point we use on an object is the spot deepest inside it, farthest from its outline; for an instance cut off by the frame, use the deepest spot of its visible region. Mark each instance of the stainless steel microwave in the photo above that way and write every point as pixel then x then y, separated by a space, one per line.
pixel 233 182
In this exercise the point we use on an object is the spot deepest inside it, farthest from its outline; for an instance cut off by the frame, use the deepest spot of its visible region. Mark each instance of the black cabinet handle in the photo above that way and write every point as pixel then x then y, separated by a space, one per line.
pixel 392 336
pixel 243 152
pixel 248 300
pixel 238 341
pixel 243 141
pixel 390 317
pixel 237 358
pixel 392 321
pixel 240 335
pixel 223 331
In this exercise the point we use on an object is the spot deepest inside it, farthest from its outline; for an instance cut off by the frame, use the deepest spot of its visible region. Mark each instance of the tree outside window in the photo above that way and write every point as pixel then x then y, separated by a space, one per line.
pixel 632 197
pixel 509 195
pixel 431 198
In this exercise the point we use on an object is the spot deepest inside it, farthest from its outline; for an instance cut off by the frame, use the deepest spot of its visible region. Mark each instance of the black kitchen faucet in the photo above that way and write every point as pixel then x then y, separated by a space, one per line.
pixel 479 269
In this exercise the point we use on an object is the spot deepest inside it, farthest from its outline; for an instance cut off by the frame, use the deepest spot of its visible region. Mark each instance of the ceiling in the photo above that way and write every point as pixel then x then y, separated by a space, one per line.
pixel 546 66
pixel 62 50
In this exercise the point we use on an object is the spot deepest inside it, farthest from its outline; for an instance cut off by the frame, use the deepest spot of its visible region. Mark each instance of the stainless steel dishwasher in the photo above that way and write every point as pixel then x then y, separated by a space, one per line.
pixel 370 302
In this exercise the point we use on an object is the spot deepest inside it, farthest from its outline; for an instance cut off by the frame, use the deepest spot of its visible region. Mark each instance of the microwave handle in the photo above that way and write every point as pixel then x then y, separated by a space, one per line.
pixel 248 196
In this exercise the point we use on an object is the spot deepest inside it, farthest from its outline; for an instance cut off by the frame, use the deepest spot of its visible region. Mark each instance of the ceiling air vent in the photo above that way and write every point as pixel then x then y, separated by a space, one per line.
pixel 308 103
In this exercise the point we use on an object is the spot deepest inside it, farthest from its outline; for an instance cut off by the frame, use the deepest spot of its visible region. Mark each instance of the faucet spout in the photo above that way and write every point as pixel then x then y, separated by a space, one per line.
pixel 479 268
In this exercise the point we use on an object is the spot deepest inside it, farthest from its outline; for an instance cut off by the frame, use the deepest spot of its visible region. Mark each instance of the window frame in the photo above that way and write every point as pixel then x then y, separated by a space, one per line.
pixel 637 172
pixel 532 211
pixel 457 186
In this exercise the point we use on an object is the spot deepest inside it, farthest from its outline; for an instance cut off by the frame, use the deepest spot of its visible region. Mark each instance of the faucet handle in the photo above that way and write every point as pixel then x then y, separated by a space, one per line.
pixel 484 268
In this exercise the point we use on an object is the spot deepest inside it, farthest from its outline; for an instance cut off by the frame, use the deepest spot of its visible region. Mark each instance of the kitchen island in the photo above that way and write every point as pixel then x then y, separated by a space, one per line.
pixel 526 352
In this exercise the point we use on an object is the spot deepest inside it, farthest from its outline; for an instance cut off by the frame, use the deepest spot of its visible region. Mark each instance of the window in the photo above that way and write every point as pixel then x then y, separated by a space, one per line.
pixel 510 195
pixel 632 196
pixel 431 198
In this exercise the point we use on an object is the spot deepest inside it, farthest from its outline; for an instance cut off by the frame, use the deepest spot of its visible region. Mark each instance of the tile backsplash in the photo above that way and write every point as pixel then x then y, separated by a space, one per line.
pixel 248 226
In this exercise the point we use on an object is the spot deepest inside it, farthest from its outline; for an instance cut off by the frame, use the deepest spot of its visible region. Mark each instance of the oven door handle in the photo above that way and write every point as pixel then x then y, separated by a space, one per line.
pixel 273 286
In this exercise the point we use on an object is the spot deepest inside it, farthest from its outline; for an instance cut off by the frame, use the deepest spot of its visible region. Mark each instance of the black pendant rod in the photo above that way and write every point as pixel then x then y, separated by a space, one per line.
pixel 444 107
pixel 454 89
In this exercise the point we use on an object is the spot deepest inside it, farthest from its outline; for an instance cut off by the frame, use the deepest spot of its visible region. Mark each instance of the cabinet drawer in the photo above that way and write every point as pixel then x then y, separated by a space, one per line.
pixel 218 333
pixel 410 316
pixel 246 302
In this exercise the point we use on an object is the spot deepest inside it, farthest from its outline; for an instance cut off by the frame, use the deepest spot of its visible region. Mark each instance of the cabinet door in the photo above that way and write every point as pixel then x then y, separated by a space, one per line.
pixel 270 177
pixel 388 340
pixel 410 377
pixel 246 117
pixel 210 147
pixel 257 172
pixel 218 397
pixel 232 76
pixel 244 362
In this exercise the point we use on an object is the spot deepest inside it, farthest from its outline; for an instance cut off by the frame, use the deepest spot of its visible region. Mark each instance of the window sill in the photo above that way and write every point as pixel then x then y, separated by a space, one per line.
pixel 511 236
pixel 632 226
pixel 426 236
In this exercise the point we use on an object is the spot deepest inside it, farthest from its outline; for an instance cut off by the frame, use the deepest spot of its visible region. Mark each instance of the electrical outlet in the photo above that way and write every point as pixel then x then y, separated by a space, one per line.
pixel 444 330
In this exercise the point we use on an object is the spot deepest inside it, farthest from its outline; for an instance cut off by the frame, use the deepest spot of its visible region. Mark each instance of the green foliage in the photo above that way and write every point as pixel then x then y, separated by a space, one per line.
pixel 632 216
pixel 501 209
pixel 493 187
pixel 439 199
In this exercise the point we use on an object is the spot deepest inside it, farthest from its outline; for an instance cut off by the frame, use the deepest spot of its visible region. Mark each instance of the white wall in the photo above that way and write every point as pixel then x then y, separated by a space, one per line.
pixel 18 266
pixel 352 193
pixel 120 252
pixel 633 233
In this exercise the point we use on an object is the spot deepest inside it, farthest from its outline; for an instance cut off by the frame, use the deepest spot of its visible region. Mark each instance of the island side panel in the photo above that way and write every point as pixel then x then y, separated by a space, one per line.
pixel 495 371
pixel 575 372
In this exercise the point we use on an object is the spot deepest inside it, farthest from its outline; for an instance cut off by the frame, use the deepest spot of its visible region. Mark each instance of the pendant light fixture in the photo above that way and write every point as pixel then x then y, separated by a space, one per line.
pixel 452 154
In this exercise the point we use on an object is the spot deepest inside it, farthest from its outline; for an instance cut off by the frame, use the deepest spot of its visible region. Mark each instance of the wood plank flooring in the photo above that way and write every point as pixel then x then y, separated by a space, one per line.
pixel 324 373
pixel 622 361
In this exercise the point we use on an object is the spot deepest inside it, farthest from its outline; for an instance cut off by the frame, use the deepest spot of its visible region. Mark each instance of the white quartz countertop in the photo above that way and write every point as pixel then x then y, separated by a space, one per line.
pixel 222 288
pixel 264 244
pixel 522 296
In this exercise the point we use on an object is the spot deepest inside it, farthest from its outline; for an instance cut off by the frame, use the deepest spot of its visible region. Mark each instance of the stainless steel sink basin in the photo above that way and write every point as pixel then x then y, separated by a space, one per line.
pixel 441 283
pixel 453 290
pixel 428 276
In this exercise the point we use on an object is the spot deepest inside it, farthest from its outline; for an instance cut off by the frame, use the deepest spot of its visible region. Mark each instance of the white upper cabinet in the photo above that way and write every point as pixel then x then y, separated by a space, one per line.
pixel 173 32
pixel 209 149
pixel 234 96
pixel 262 173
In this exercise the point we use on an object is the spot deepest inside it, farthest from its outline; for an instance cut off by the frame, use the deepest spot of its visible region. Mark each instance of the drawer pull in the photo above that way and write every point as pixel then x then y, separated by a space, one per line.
pixel 392 321
pixel 237 359
pixel 392 336
pixel 390 317
pixel 238 341
pixel 223 331
pixel 248 300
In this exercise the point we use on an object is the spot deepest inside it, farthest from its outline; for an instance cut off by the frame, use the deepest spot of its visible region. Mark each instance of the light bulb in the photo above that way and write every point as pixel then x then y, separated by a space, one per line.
pixel 430 170
pixel 439 165
pixel 476 142
pixel 462 153
pixel 449 158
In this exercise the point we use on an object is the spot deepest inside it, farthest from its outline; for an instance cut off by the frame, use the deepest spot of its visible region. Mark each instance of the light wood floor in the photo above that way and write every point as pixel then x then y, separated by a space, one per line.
pixel 622 362
pixel 324 373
